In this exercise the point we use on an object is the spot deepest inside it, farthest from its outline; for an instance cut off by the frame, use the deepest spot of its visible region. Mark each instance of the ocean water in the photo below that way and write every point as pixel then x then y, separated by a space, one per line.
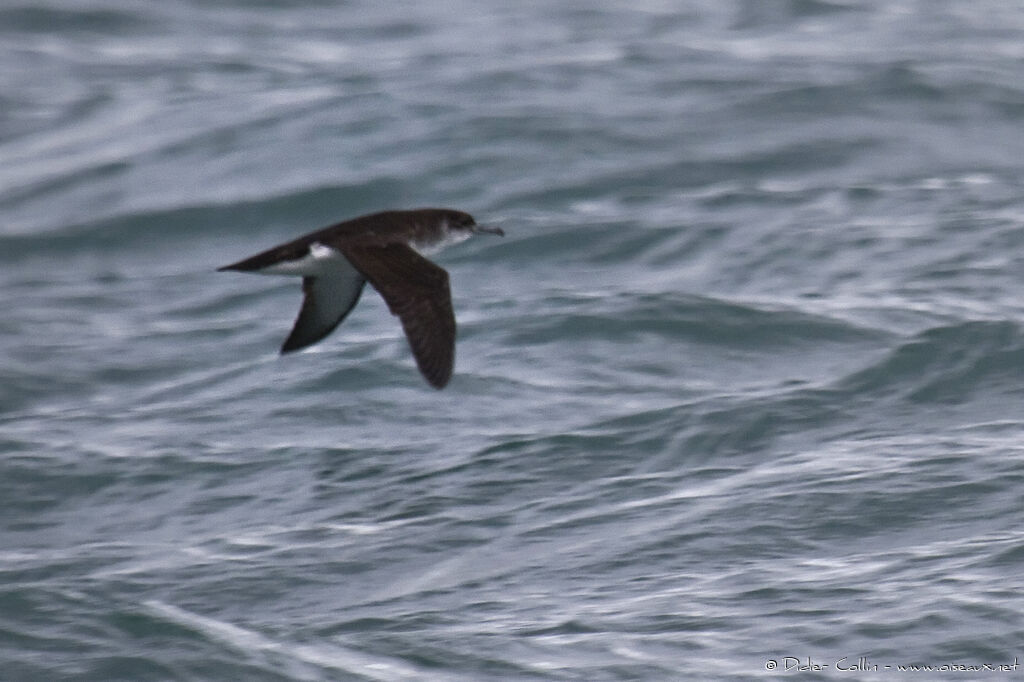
pixel 739 396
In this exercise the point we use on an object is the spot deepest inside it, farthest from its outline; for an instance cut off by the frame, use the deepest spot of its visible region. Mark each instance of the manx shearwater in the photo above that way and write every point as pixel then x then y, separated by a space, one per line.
pixel 387 250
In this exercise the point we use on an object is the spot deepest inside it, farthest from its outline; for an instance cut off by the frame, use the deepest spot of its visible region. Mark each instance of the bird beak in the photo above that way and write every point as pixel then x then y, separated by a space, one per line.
pixel 487 229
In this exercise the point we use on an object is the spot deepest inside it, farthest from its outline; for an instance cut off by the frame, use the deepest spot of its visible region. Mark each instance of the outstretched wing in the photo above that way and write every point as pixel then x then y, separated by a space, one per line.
pixel 327 299
pixel 417 291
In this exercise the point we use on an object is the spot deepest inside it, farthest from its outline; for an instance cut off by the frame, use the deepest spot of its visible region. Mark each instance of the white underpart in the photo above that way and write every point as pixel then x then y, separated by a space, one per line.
pixel 451 237
pixel 330 291
pixel 321 260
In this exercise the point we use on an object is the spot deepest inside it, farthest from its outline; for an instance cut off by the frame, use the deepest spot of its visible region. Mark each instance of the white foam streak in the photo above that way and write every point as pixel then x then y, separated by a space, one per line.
pixel 333 657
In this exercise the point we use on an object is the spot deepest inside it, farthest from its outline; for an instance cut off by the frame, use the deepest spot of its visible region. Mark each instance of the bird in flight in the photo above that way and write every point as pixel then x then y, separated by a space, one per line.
pixel 387 250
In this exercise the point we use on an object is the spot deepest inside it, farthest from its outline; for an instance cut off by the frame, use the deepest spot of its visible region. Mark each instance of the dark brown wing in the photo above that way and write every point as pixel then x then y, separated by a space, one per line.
pixel 417 291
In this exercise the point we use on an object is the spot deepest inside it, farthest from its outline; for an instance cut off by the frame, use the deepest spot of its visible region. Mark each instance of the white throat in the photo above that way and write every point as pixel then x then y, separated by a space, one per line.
pixel 450 238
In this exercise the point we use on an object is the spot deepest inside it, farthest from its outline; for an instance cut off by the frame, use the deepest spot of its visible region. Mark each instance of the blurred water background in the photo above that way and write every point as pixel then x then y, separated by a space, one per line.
pixel 742 387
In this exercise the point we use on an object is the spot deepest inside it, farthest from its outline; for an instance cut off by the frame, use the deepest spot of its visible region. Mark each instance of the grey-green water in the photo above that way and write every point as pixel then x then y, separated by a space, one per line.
pixel 742 386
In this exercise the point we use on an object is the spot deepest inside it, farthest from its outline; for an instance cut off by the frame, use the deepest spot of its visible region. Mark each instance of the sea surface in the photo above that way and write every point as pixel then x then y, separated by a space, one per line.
pixel 740 395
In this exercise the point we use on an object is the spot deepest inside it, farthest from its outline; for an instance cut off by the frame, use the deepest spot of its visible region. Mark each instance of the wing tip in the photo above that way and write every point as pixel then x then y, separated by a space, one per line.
pixel 438 382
